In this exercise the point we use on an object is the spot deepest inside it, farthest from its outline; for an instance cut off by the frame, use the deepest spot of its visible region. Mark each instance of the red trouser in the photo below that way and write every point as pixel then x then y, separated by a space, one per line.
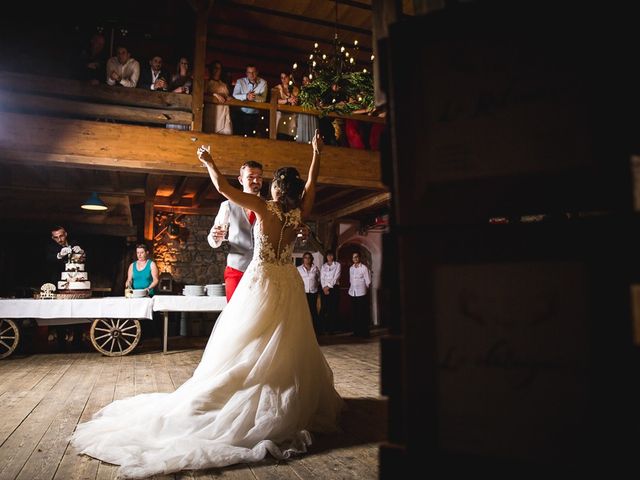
pixel 231 279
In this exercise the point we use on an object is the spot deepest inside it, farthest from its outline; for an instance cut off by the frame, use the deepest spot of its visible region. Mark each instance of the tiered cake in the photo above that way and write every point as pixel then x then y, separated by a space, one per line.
pixel 74 280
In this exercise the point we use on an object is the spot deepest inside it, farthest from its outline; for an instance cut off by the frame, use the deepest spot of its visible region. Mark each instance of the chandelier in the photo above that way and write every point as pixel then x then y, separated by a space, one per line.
pixel 337 83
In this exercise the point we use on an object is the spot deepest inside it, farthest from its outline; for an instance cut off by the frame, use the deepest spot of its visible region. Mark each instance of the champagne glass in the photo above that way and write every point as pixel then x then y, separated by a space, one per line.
pixel 225 229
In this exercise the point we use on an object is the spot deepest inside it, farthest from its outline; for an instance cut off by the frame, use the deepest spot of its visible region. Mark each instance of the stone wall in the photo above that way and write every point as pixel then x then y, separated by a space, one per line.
pixel 185 252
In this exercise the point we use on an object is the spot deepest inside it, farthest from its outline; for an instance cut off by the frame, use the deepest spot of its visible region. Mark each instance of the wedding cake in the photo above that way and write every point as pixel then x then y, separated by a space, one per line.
pixel 74 280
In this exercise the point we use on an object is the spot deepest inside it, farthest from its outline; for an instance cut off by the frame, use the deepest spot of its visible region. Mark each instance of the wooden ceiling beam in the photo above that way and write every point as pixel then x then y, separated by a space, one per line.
pixel 257 32
pixel 368 202
pixel 151 187
pixel 152 183
pixel 114 178
pixel 352 3
pixel 178 191
pixel 98 145
pixel 332 198
pixel 297 18
pixel 202 193
pixel 62 189
pixel 187 210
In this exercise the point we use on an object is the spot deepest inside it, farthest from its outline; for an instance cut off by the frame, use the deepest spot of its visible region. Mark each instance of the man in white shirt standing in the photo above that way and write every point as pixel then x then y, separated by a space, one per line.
pixel 359 283
pixel 123 69
pixel 311 277
pixel 251 89
pixel 238 222
pixel 330 298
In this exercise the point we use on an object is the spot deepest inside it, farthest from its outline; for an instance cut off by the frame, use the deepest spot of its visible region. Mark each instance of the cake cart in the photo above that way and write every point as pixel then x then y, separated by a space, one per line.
pixel 115 321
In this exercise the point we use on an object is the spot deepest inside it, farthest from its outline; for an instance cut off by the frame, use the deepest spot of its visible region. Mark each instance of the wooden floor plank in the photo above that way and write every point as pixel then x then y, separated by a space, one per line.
pixel 44 461
pixel 18 404
pixel 161 374
pixel 272 470
pixel 83 383
pixel 77 467
pixel 33 373
pixel 143 378
pixel 17 449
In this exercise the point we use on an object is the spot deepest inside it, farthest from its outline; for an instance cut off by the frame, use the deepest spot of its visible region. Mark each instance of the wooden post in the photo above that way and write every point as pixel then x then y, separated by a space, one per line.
pixel 273 115
pixel 151 187
pixel 199 60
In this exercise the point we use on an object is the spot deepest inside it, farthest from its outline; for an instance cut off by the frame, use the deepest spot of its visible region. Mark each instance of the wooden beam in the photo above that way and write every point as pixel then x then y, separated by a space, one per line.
pixel 333 198
pixel 151 187
pixel 12 101
pixel 152 183
pixel 202 193
pixel 38 206
pixel 297 18
pixel 199 60
pixel 356 207
pixel 273 118
pixel 114 177
pixel 294 109
pixel 86 188
pixel 77 227
pixel 23 82
pixel 148 219
pixel 352 3
pixel 97 145
pixel 187 210
pixel 266 32
pixel 40 174
pixel 176 196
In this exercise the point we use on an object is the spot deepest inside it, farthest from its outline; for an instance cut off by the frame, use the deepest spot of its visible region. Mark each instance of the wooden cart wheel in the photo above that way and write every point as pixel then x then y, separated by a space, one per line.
pixel 115 337
pixel 9 337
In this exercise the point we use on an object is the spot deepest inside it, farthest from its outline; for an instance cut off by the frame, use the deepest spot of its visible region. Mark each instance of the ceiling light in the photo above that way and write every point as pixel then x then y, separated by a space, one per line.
pixel 94 203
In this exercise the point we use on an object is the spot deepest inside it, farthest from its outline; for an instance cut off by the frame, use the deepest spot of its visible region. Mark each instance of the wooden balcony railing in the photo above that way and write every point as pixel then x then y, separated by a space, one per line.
pixel 272 107
pixel 69 98
pixel 26 93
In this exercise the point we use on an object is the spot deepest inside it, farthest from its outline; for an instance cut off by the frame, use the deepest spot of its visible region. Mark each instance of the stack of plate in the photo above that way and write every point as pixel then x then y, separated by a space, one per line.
pixel 139 293
pixel 215 290
pixel 193 290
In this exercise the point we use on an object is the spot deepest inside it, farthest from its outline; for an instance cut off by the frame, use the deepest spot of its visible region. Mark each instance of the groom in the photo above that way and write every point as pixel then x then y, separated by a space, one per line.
pixel 240 226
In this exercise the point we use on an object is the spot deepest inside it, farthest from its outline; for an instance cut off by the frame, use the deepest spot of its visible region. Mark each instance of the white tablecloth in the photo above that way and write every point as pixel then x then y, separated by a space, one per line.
pixel 184 303
pixel 107 307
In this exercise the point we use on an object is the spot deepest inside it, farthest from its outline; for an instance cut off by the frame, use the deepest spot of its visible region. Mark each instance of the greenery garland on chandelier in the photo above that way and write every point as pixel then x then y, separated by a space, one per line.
pixel 334 92
pixel 336 84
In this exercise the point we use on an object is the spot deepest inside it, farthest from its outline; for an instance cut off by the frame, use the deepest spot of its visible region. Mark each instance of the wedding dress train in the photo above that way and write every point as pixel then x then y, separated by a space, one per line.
pixel 262 384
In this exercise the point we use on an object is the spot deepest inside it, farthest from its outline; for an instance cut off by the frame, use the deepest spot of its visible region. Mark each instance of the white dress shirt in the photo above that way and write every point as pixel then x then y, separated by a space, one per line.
pixel 244 86
pixel 330 274
pixel 359 280
pixel 129 72
pixel 221 218
pixel 310 278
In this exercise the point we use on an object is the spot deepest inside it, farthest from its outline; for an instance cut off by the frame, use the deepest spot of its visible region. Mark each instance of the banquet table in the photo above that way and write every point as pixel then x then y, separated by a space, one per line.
pixel 115 319
pixel 185 303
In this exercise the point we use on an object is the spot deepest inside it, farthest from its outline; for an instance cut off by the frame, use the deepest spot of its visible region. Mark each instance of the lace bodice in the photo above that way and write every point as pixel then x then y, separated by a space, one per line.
pixel 274 250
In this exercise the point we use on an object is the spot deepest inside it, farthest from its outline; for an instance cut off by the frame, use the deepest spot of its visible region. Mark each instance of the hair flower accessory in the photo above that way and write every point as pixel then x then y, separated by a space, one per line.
pixel 281 177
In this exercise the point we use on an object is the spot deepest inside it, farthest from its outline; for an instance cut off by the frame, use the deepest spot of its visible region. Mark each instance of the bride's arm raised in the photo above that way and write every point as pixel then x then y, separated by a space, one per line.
pixel 252 202
pixel 310 187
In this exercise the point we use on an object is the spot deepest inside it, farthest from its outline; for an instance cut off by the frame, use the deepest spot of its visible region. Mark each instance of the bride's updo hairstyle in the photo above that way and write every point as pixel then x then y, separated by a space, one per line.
pixel 287 180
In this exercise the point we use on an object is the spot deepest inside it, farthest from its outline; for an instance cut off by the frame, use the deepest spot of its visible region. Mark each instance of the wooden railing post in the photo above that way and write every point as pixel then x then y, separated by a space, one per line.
pixel 273 115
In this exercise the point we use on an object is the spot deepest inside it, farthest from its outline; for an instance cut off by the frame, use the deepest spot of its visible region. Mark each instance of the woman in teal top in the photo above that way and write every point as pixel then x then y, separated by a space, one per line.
pixel 143 273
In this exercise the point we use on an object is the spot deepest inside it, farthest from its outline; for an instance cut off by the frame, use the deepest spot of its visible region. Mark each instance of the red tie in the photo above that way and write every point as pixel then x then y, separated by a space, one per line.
pixel 252 217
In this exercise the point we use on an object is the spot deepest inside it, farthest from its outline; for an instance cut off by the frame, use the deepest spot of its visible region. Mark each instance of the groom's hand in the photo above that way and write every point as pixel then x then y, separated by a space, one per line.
pixel 218 233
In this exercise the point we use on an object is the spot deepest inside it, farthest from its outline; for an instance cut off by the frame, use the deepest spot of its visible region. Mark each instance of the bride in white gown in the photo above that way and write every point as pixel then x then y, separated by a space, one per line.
pixel 262 384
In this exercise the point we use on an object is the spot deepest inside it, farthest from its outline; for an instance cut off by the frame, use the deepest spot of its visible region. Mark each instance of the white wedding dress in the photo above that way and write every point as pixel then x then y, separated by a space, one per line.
pixel 262 384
